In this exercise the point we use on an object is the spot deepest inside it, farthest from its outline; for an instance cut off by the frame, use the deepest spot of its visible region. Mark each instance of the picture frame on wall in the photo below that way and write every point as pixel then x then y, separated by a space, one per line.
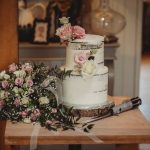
pixel 40 32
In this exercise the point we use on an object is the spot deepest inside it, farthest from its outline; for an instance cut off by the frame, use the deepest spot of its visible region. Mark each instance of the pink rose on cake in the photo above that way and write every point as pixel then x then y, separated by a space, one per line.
pixel 67 32
pixel 64 32
pixel 78 32
pixel 81 58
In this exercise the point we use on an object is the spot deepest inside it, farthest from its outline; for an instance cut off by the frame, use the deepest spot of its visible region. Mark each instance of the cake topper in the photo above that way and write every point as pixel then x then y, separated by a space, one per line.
pixel 67 32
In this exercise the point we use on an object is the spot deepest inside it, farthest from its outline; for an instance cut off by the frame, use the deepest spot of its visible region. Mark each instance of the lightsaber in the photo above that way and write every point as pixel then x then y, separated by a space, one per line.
pixel 124 106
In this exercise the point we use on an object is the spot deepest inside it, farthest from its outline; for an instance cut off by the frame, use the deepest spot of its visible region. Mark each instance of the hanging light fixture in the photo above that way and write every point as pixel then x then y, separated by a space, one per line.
pixel 107 22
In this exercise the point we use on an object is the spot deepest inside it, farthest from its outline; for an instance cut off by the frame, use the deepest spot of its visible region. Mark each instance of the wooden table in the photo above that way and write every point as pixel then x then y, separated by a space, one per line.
pixel 128 128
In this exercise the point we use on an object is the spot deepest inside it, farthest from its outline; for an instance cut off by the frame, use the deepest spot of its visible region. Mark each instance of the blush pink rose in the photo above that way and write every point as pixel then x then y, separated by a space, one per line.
pixel 81 58
pixel 24 114
pixel 13 67
pixel 49 122
pixel 19 81
pixel 54 110
pixel 35 114
pixel 1 104
pixel 5 84
pixel 78 32
pixel 29 83
pixel 64 32
pixel 17 102
pixel 27 67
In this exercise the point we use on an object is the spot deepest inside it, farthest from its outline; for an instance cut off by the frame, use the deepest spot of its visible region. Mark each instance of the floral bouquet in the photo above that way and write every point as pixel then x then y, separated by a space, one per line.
pixel 31 93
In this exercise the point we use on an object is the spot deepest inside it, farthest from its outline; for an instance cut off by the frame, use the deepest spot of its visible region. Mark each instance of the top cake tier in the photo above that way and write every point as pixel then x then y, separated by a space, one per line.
pixel 90 39
pixel 85 54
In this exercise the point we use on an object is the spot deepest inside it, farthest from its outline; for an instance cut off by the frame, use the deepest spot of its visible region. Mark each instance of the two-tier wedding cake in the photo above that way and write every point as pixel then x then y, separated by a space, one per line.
pixel 86 87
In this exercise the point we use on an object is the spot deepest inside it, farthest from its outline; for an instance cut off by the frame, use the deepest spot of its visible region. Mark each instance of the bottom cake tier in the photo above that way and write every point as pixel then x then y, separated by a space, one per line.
pixel 88 92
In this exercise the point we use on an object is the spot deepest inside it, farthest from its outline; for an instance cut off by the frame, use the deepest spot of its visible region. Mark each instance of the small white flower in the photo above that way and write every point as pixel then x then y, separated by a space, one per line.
pixel 64 20
pixel 43 100
pixel 27 120
pixel 89 68
pixel 25 101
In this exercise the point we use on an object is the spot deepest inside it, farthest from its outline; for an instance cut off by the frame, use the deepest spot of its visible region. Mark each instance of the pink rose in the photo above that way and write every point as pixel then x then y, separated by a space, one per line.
pixel 81 58
pixel 24 114
pixel 54 110
pixel 1 104
pixel 49 122
pixel 64 32
pixel 19 81
pixel 17 102
pixel 29 83
pixel 27 67
pixel 13 67
pixel 78 32
pixel 35 114
pixel 5 84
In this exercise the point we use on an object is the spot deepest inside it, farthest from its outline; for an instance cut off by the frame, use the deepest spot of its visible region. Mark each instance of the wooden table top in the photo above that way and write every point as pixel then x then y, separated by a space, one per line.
pixel 126 128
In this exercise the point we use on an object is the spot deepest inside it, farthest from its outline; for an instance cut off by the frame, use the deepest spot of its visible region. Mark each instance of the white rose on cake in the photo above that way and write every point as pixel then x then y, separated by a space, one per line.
pixel 89 68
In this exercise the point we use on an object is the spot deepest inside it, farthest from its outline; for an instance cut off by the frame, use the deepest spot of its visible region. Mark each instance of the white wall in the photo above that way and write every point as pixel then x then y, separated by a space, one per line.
pixel 127 65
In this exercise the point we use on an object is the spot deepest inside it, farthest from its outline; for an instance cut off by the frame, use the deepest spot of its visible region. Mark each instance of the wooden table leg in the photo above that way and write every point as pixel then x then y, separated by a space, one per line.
pixel 75 146
pixel 127 147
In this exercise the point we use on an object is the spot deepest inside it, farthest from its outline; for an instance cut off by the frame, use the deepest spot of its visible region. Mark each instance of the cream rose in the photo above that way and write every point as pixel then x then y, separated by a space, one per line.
pixel 43 100
pixel 25 101
pixel 89 68
pixel 27 120
pixel 2 74
pixel 2 94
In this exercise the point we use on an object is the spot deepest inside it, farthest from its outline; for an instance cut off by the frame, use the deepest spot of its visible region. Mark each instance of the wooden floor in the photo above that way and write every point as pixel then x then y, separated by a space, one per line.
pixel 145 91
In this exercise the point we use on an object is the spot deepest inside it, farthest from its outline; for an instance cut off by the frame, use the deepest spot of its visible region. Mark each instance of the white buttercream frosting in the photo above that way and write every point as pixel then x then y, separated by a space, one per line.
pixel 90 39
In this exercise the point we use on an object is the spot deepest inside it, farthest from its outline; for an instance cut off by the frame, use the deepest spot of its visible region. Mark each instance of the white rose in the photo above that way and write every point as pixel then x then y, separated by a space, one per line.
pixel 2 94
pixel 43 100
pixel 20 73
pixel 15 89
pixel 6 76
pixel 2 74
pixel 25 101
pixel 89 68
pixel 27 120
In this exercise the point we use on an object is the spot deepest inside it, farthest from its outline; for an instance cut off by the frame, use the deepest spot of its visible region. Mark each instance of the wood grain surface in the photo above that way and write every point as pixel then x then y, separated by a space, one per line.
pixel 126 128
